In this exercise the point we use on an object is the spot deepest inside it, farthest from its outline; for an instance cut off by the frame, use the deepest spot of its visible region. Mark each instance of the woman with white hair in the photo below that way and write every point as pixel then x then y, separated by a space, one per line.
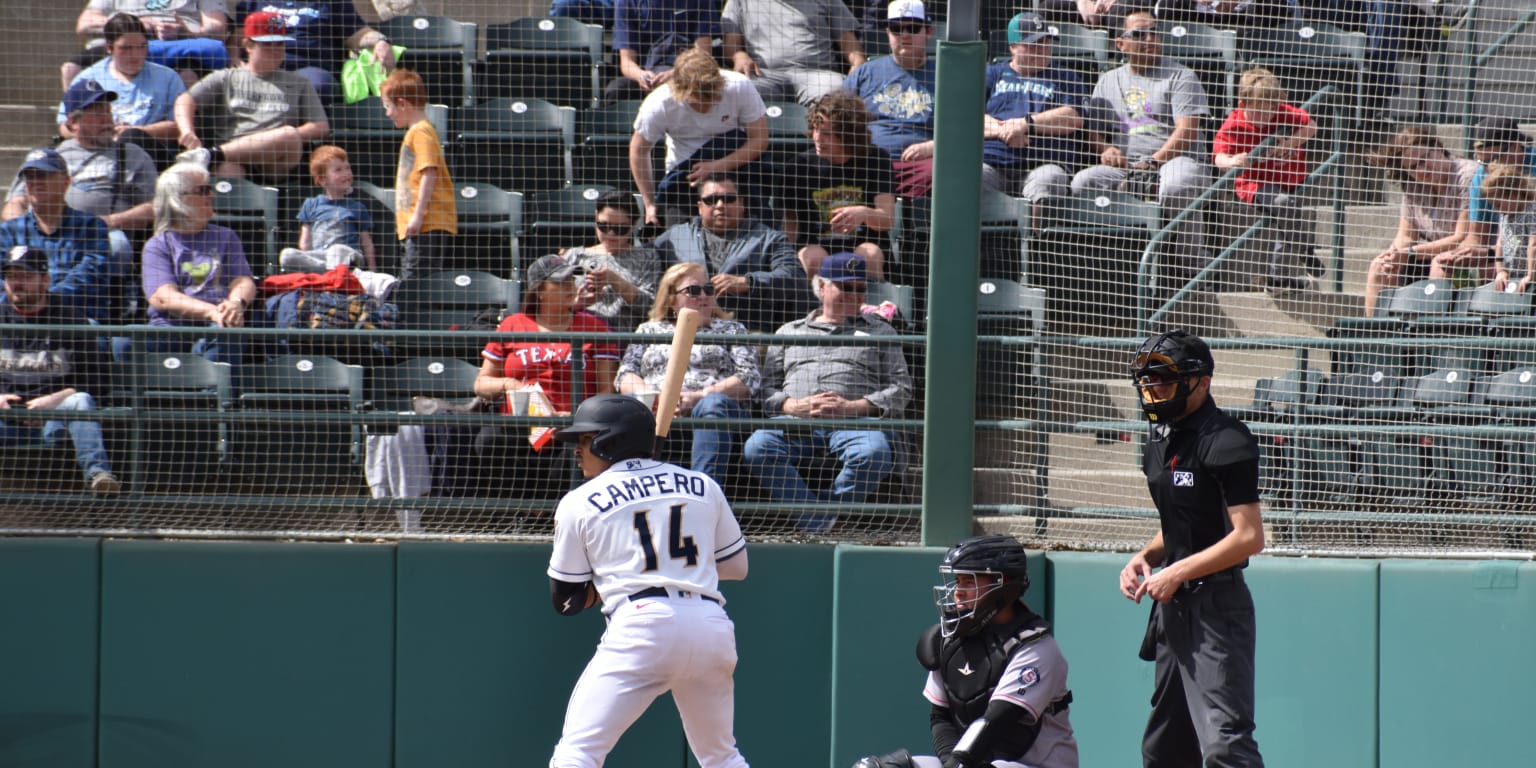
pixel 195 273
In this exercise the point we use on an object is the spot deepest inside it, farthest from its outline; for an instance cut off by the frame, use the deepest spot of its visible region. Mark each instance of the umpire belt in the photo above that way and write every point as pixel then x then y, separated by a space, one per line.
pixel 663 592
pixel 1229 576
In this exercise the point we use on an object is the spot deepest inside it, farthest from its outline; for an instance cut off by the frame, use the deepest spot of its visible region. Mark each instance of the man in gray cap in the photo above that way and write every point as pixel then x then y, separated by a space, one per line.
pixel 1495 140
pixel 110 179
pixel 1032 112
pixel 73 242
pixel 49 372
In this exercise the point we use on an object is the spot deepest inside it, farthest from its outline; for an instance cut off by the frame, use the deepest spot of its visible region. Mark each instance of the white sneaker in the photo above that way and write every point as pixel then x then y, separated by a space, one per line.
pixel 200 156
pixel 104 484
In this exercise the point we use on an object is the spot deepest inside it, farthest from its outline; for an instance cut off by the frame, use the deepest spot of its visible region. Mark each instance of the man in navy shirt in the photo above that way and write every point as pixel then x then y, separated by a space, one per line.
pixel 1031 114
pixel 649 34
pixel 74 243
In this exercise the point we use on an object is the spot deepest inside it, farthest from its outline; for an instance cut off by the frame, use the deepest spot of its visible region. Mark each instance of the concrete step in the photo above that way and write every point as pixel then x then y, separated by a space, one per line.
pixel 1096 533
pixel 1098 487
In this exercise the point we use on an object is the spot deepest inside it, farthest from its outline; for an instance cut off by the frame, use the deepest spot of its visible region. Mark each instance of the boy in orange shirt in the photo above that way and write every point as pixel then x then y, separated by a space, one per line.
pixel 1268 181
pixel 425 215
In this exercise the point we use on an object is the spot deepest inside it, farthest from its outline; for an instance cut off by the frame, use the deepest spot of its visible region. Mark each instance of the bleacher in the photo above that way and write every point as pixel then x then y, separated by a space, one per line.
pixel 1057 426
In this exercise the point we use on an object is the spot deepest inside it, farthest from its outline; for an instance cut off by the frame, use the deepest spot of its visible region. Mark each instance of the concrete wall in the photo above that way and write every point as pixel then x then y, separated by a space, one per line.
pixel 140 653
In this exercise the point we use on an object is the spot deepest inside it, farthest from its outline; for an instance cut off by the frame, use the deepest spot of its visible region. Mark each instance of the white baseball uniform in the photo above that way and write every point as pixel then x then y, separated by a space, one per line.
pixel 648 534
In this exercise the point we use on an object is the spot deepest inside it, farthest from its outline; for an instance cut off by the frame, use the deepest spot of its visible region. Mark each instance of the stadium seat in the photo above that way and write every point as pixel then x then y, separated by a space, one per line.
pixel 490 230
pixel 1212 54
pixel 392 387
pixel 176 452
pixel 381 207
pixel 371 139
pixel 442 51
pixel 1486 301
pixel 251 211
pixel 558 60
pixel 1307 56
pixel 1455 468
pixel 561 218
pixel 1086 252
pixel 452 300
pixel 1511 400
pixel 787 134
pixel 1425 297
pixel 604 155
pixel 305 383
pixel 1010 379
pixel 516 144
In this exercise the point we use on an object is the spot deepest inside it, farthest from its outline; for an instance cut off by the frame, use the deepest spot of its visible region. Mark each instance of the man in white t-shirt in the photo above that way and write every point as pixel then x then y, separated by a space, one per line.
pixel 649 542
pixel 713 122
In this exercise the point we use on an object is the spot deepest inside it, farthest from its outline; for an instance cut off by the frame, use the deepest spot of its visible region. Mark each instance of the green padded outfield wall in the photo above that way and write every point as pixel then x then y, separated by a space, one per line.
pixel 191 654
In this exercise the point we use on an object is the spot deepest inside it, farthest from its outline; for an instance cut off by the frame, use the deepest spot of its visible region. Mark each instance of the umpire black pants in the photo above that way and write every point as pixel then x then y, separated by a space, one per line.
pixel 1202 703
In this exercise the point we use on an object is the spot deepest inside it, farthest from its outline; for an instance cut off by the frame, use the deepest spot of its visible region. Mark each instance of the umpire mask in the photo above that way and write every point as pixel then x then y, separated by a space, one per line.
pixel 1166 371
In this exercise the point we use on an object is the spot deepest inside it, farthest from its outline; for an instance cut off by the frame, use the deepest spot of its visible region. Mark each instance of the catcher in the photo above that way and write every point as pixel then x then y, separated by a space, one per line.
pixel 996 678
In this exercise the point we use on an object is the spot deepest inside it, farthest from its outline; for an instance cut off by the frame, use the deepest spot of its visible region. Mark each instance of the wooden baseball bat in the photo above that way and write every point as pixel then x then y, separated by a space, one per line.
pixel 677 365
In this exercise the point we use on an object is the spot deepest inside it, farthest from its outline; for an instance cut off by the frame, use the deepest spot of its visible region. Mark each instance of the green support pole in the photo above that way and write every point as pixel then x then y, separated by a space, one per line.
pixel 953 256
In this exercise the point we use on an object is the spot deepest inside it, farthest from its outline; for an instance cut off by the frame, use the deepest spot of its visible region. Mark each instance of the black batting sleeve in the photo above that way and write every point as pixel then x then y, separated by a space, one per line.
pixel 945 733
pixel 571 598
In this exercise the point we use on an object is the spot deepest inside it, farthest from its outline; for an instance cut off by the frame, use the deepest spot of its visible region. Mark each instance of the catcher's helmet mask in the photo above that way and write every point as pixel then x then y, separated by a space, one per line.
pixel 996 556
pixel 1176 356
pixel 621 427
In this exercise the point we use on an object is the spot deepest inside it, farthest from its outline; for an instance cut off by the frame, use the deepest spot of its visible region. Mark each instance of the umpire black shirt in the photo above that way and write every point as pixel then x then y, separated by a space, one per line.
pixel 1197 468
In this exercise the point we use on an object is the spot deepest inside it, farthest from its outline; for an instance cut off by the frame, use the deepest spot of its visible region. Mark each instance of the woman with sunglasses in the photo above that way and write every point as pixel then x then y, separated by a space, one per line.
pixel 1434 220
pixel 721 380
pixel 194 272
pixel 617 279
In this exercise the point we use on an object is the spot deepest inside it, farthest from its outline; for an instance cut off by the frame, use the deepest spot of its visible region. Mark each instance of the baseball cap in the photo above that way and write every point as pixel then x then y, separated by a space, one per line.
pixel 549 268
pixel 45 160
pixel 1496 130
pixel 267 27
pixel 1028 28
pixel 906 10
pixel 842 267
pixel 30 259
pixel 83 94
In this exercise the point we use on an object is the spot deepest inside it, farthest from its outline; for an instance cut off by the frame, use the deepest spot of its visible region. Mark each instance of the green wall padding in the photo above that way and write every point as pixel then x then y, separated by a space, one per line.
pixel 1458 662
pixel 49 610
pixel 1316 665
pixel 486 666
pixel 246 655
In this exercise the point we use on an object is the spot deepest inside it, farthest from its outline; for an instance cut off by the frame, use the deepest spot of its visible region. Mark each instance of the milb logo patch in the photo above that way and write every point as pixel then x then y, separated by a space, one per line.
pixel 1182 479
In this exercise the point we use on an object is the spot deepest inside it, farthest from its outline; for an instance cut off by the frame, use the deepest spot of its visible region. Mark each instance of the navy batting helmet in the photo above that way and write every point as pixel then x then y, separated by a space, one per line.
pixel 621 427
pixel 1173 357
pixel 999 557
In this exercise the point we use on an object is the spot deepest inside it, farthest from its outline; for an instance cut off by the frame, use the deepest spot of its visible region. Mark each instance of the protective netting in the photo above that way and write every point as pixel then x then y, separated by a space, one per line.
pixel 1333 192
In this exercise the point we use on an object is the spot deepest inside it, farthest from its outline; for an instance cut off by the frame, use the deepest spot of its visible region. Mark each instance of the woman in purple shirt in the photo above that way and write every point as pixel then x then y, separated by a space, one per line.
pixel 195 273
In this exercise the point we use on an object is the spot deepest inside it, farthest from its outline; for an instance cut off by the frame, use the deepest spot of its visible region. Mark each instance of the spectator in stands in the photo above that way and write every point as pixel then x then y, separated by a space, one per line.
pixel 1097 14
pixel 1494 140
pixel 721 380
pixel 185 35
pixel 74 242
pixel 617 279
pixel 146 93
pixel 802 382
pixel 508 366
pixel 1269 178
pixel 598 12
pixel 1226 14
pixel 1031 115
pixel 195 273
pixel 650 34
pixel 1145 121
pixel 752 266
pixel 1433 220
pixel 1511 193
pixel 115 181
pixel 426 215
pixel 713 121
pixel 839 195
pixel 272 113
pixel 898 90
pixel 323 31
pixel 49 372
pixel 797 50
pixel 334 227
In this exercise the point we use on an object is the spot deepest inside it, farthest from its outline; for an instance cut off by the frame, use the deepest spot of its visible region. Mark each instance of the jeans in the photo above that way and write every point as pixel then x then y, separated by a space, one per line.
pixel 90 449
pixel 866 457
pixel 713 449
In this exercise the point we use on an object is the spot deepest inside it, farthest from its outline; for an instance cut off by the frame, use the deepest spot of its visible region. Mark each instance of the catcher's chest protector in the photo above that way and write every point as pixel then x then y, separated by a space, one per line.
pixel 971 666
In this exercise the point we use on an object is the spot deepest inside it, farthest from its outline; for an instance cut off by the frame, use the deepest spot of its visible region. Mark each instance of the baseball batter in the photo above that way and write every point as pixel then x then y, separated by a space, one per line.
pixel 997 680
pixel 650 542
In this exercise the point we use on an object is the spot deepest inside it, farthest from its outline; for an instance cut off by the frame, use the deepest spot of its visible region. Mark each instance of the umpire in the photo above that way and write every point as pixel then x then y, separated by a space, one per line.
pixel 1202 470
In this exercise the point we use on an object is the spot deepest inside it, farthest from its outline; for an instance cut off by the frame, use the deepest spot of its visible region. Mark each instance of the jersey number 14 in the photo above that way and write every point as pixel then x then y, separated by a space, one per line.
pixel 678 545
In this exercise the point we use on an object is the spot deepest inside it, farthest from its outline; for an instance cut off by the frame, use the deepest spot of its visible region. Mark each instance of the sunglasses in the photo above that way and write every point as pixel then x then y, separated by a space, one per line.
pixel 695 291
pixel 614 229
pixel 906 27
pixel 851 287
pixel 1140 33
pixel 726 197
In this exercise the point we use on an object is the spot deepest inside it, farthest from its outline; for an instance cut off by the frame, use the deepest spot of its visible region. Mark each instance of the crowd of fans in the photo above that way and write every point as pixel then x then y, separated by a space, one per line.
pixel 120 214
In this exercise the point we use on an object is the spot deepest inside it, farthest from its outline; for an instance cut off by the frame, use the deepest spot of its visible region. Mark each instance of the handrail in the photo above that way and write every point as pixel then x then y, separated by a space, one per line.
pixel 1476 64
pixel 1154 245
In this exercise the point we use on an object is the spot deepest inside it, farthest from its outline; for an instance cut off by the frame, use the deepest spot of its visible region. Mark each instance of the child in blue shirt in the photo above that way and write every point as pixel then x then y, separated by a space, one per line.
pixel 337 229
